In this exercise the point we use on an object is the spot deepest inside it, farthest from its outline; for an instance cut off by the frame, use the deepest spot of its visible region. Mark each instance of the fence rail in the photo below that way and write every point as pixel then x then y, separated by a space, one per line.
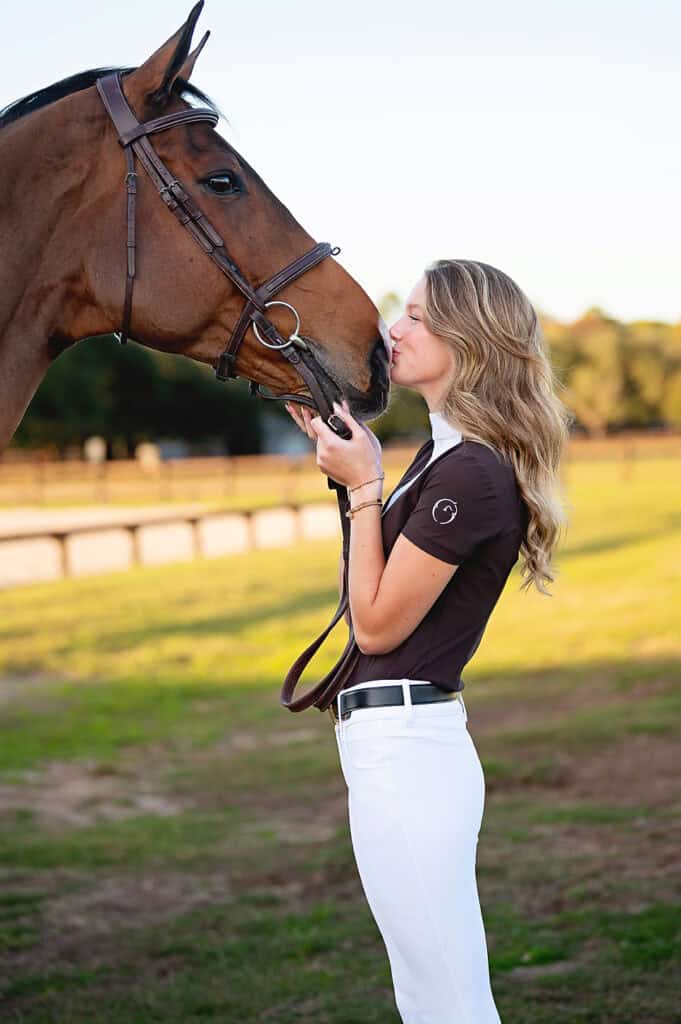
pixel 247 479
pixel 281 491
pixel 236 530
pixel 242 479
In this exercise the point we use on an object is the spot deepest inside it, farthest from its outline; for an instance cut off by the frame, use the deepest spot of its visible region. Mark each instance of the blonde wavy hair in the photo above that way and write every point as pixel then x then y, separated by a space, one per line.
pixel 503 392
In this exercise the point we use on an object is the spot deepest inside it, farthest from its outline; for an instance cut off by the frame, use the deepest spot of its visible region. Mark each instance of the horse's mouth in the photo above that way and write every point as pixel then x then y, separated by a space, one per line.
pixel 363 405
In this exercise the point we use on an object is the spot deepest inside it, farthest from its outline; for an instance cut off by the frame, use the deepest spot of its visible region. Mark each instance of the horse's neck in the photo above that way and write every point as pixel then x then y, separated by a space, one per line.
pixel 23 364
pixel 32 283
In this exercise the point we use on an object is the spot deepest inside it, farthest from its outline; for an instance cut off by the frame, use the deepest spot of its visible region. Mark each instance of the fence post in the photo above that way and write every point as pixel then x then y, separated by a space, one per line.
pixel 39 479
pixel 135 544
pixel 196 538
pixel 250 529
pixel 101 482
pixel 296 511
pixel 64 565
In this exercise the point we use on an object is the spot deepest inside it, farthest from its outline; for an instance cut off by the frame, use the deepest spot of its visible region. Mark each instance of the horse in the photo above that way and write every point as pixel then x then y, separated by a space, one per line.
pixel 80 226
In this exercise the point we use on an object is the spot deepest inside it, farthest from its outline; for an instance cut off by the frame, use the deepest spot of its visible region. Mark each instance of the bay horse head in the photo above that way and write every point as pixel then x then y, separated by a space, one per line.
pixel 69 186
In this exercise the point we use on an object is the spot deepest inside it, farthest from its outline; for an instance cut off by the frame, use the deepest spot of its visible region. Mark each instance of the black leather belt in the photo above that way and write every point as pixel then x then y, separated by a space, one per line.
pixel 384 696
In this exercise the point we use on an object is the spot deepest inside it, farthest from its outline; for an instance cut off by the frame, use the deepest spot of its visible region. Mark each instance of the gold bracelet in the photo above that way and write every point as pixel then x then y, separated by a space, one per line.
pixel 357 487
pixel 351 512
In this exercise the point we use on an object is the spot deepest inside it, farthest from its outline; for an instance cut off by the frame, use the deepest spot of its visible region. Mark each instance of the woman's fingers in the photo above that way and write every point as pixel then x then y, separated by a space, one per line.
pixel 302 415
pixel 308 417
pixel 299 416
pixel 294 415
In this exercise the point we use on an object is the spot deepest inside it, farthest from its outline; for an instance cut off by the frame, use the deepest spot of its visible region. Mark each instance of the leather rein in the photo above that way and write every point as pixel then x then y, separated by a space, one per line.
pixel 133 137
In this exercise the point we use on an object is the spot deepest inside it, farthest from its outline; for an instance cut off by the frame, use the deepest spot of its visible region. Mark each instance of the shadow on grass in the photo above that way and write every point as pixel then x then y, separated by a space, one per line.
pixel 223 624
pixel 576 709
pixel 663 527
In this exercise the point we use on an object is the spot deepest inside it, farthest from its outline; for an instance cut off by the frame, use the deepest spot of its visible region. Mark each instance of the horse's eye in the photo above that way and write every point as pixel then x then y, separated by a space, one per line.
pixel 223 183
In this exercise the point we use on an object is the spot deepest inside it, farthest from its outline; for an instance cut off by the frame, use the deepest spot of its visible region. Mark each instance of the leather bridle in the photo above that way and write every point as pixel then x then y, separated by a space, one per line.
pixel 133 137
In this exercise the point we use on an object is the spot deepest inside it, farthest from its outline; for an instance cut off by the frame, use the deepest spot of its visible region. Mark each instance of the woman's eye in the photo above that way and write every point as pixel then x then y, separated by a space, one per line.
pixel 413 317
pixel 222 184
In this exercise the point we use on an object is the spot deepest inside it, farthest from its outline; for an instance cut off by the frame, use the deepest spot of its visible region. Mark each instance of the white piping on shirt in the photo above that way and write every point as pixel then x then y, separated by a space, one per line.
pixel 444 436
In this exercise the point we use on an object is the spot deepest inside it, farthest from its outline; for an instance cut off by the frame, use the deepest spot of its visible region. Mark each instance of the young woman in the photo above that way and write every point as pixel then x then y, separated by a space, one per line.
pixel 424 575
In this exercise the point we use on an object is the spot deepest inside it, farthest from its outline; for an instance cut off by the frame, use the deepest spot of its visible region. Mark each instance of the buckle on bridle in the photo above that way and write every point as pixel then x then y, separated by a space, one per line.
pixel 224 369
pixel 169 200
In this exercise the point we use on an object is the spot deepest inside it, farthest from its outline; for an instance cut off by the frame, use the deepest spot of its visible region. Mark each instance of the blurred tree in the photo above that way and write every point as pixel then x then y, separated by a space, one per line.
pixel 671 400
pixel 390 306
pixel 645 368
pixel 595 386
pixel 614 375
pixel 130 394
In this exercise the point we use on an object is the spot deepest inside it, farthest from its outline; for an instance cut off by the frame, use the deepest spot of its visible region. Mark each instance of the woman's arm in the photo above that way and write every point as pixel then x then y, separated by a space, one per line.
pixel 389 600
pixel 386 602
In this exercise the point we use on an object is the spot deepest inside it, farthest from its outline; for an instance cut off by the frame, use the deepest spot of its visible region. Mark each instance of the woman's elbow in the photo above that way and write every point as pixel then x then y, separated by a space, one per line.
pixel 372 644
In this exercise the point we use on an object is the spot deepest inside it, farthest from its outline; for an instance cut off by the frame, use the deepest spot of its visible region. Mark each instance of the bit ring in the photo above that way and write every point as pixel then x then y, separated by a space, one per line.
pixel 292 336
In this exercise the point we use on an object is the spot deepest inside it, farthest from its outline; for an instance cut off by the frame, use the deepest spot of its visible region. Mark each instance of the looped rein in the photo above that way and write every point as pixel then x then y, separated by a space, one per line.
pixel 133 137
pixel 322 694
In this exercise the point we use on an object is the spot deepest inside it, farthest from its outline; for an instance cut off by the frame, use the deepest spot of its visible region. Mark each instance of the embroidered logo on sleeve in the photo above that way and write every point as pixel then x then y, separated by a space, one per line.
pixel 444 511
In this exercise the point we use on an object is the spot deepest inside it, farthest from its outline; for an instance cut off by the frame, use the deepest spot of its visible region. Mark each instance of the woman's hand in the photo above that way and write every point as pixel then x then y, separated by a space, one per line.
pixel 350 462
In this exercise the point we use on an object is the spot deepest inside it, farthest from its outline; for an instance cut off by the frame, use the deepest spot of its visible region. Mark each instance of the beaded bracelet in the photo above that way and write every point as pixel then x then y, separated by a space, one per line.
pixel 357 486
pixel 351 512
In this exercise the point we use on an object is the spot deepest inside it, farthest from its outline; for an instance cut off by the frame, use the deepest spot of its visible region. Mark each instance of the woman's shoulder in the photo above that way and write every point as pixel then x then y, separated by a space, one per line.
pixel 482 477
pixel 461 503
pixel 471 460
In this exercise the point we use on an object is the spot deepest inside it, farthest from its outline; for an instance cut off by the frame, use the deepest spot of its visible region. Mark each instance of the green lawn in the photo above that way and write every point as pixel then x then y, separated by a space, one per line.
pixel 174 843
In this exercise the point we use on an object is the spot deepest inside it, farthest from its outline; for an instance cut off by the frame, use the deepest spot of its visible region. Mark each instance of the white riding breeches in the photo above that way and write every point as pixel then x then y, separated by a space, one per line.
pixel 416 793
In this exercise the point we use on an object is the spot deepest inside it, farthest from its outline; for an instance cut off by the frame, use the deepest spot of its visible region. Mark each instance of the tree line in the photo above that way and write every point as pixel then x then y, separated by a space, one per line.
pixel 612 375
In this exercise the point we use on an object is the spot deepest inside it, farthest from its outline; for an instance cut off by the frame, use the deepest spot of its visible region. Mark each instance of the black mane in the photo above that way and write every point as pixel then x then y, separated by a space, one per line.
pixel 74 83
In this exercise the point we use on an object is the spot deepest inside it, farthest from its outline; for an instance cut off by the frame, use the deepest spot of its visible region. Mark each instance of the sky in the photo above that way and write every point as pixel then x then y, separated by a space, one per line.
pixel 540 137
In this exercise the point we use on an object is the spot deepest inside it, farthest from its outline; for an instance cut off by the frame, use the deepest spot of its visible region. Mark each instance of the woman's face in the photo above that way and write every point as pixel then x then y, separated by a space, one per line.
pixel 421 360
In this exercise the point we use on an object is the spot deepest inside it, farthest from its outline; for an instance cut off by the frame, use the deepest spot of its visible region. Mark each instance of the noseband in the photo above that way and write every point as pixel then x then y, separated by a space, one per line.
pixel 133 137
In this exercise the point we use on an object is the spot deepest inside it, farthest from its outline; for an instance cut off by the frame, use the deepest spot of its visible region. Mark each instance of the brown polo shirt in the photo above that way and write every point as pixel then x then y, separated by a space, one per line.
pixel 465 508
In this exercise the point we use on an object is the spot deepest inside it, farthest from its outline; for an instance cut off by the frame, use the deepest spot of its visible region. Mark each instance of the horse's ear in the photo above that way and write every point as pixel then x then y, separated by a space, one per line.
pixel 188 66
pixel 152 82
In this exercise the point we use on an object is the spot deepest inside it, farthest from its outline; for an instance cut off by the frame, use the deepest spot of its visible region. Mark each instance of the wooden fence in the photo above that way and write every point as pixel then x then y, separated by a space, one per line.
pixel 263 480
pixel 248 479
pixel 241 480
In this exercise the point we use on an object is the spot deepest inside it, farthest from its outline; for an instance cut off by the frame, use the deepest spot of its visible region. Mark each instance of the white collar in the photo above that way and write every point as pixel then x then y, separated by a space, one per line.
pixel 442 430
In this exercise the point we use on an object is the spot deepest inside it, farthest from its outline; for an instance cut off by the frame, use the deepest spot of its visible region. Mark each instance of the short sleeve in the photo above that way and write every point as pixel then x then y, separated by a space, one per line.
pixel 456 511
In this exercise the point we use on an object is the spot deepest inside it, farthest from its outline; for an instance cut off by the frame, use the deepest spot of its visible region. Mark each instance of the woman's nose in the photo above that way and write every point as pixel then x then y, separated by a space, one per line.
pixel 394 331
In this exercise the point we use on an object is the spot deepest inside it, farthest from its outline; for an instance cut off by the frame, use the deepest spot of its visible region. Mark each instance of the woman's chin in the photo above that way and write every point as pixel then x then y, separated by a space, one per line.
pixel 396 378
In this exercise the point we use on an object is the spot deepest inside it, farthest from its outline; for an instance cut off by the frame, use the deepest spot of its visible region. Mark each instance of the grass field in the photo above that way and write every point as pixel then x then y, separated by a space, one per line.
pixel 174 844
